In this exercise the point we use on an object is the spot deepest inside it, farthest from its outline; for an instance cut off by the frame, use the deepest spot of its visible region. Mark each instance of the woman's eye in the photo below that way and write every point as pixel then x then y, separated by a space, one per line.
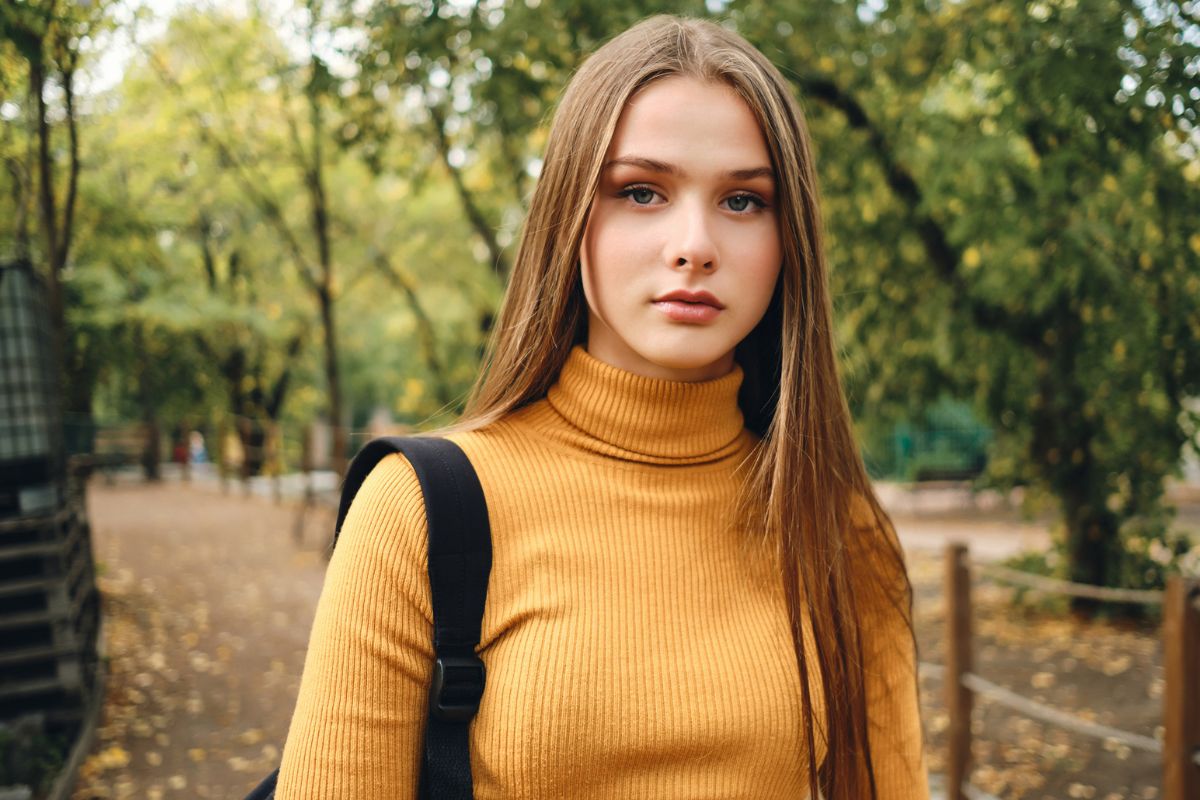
pixel 742 202
pixel 641 195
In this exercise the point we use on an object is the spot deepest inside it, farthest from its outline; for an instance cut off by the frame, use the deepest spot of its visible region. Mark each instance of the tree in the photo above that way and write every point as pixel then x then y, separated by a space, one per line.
pixel 202 58
pixel 171 250
pixel 1025 176
pixel 240 165
pixel 42 39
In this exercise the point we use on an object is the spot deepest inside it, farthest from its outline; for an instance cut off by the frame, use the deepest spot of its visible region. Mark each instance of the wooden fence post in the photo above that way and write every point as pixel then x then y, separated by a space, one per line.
pixel 1181 700
pixel 275 449
pixel 958 663
pixel 219 456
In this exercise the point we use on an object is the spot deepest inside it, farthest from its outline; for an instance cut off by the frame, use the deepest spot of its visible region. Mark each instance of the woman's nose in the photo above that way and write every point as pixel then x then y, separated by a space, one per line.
pixel 693 244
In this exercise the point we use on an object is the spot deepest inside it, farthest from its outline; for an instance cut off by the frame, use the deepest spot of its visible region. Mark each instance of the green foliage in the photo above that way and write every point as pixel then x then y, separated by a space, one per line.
pixel 1010 192
pixel 484 78
pixel 183 297
pixel 1150 553
pixel 31 757
pixel 1009 188
pixel 1153 553
pixel 1048 564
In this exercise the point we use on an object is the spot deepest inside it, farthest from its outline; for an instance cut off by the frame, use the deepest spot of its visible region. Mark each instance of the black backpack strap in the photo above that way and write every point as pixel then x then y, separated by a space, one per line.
pixel 266 789
pixel 460 561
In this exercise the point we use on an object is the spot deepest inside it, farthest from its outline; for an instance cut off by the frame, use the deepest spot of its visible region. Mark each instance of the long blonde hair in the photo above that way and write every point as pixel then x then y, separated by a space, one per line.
pixel 807 488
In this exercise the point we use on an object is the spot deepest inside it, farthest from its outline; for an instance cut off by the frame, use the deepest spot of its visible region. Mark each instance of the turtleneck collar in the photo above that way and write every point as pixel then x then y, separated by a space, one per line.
pixel 653 420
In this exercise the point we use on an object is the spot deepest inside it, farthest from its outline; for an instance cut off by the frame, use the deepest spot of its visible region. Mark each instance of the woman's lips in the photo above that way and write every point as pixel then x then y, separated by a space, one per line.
pixel 681 311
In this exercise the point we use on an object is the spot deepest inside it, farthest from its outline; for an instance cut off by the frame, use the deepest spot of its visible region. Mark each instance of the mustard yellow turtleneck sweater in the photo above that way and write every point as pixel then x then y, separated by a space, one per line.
pixel 636 641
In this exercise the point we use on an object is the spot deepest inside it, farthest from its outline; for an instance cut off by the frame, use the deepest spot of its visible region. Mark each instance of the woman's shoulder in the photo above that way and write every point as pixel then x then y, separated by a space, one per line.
pixel 390 487
pixel 391 498
pixel 386 524
pixel 386 518
pixel 393 477
pixel 500 442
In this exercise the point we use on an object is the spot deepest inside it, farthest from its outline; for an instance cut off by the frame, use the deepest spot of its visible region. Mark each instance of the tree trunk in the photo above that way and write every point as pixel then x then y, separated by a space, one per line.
pixel 22 181
pixel 1092 543
pixel 253 435
pixel 1063 452
pixel 325 288
pixel 151 441
pixel 333 381
pixel 146 397
pixel 47 215
pixel 68 222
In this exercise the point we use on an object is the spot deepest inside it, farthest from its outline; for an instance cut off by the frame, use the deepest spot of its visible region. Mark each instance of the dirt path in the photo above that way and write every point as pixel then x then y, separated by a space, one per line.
pixel 208 605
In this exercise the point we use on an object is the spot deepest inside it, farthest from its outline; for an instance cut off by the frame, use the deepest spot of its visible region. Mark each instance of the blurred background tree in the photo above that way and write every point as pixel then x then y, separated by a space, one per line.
pixel 285 204
pixel 1012 187
pixel 40 57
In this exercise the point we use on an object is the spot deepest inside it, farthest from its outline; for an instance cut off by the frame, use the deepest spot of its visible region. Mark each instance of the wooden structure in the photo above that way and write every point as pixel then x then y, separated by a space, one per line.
pixel 49 607
pixel 958 662
pixel 49 617
pixel 1180 745
pixel 1181 709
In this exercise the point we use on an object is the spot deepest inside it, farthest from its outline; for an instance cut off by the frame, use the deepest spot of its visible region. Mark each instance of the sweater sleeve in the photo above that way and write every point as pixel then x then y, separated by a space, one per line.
pixel 357 728
pixel 889 665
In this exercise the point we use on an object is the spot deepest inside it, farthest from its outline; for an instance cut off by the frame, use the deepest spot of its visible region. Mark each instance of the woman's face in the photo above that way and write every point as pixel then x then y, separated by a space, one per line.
pixel 686 202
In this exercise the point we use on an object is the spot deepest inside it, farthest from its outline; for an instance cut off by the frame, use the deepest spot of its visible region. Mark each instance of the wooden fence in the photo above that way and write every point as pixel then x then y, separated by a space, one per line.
pixel 1180 746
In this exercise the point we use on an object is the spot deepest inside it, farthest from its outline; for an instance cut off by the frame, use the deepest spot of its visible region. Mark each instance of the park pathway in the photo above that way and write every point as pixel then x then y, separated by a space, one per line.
pixel 208 604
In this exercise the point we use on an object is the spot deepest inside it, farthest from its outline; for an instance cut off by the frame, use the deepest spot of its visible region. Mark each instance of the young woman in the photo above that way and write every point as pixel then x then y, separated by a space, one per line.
pixel 694 591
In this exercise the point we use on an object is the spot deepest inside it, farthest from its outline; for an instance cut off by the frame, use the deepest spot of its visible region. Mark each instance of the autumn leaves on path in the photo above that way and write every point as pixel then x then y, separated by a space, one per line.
pixel 207 607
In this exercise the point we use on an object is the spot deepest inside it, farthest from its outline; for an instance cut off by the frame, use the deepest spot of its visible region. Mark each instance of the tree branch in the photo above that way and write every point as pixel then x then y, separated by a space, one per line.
pixel 266 204
pixel 279 390
pixel 425 331
pixel 945 257
pixel 37 86
pixel 210 268
pixel 68 79
pixel 495 253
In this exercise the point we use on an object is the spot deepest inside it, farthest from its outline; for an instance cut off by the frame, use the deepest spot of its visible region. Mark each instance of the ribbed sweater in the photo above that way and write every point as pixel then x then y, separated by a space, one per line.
pixel 635 634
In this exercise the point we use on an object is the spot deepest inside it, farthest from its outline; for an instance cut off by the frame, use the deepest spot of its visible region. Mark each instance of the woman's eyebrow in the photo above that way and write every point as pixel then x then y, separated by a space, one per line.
pixel 653 165
pixel 750 173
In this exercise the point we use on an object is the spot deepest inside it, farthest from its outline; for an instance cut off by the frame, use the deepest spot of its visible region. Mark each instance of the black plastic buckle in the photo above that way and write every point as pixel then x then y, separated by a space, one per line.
pixel 457 687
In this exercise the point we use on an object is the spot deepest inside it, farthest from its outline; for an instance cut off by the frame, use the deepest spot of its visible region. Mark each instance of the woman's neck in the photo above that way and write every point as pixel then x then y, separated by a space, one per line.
pixel 646 418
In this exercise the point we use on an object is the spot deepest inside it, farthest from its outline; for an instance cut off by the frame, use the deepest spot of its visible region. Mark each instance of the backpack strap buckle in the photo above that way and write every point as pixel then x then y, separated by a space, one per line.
pixel 457 687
